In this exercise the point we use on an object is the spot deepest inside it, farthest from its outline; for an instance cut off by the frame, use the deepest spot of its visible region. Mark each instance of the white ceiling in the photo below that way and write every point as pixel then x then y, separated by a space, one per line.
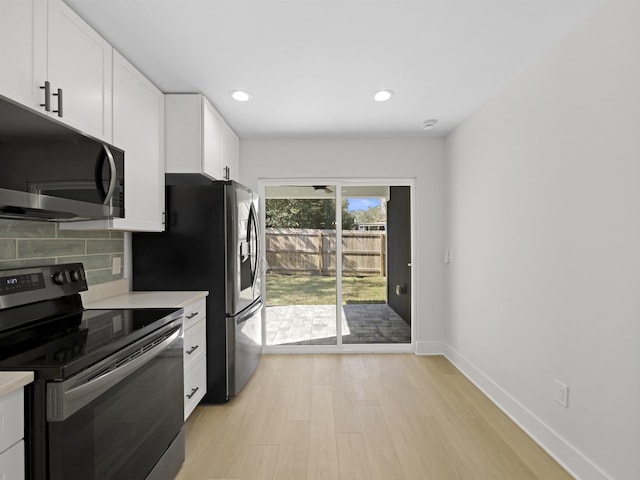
pixel 312 65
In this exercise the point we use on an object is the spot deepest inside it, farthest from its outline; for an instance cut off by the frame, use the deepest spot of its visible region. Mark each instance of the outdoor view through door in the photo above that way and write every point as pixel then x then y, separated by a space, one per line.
pixel 302 275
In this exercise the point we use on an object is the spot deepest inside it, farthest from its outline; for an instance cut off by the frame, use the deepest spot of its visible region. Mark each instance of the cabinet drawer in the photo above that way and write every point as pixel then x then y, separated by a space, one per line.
pixel 195 385
pixel 194 313
pixel 195 344
pixel 12 463
pixel 11 419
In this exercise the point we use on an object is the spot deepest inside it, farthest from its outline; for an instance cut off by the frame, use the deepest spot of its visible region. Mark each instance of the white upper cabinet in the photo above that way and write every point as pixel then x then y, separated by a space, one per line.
pixel 231 151
pixel 23 31
pixel 138 128
pixel 54 62
pixel 198 140
pixel 211 141
pixel 79 65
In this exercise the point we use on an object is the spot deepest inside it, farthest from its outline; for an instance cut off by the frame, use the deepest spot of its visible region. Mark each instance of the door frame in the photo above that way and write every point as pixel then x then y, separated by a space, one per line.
pixel 340 182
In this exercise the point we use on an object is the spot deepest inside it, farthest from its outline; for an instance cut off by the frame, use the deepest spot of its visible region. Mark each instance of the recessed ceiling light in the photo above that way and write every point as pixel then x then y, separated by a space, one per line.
pixel 429 124
pixel 240 95
pixel 382 95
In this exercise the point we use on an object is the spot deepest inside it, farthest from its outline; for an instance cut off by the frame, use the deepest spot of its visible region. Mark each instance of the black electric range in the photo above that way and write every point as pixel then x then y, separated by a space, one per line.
pixel 92 368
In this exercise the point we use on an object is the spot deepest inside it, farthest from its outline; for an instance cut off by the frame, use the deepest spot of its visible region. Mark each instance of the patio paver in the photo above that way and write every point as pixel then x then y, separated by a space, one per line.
pixel 316 325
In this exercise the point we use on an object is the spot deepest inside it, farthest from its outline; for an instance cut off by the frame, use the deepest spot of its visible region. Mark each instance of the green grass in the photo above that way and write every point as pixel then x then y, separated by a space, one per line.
pixel 319 290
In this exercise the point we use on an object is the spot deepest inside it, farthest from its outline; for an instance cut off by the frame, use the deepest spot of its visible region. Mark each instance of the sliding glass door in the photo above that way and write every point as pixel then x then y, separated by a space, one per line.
pixel 338 278
pixel 300 247
pixel 371 285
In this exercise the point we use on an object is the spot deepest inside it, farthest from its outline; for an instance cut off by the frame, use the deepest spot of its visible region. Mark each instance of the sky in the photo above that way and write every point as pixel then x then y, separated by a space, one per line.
pixel 361 203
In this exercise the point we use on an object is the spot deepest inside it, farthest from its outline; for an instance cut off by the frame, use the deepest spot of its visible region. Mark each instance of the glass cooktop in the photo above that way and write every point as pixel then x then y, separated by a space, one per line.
pixel 61 347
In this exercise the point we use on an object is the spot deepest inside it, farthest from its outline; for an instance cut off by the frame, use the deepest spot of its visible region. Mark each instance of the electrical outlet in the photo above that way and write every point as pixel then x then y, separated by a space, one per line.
pixel 561 394
pixel 448 256
pixel 116 265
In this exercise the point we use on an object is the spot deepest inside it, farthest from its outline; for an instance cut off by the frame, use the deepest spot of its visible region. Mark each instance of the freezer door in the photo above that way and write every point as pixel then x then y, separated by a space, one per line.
pixel 242 249
pixel 244 346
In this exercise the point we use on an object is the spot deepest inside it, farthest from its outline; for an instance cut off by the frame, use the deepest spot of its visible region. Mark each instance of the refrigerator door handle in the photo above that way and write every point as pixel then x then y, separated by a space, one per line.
pixel 248 313
pixel 253 235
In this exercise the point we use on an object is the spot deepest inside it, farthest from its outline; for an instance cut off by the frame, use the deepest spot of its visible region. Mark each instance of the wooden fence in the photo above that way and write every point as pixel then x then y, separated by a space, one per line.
pixel 313 252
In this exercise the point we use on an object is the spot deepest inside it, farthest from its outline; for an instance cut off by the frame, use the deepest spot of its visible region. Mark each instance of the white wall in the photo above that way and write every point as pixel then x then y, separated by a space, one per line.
pixel 373 158
pixel 543 212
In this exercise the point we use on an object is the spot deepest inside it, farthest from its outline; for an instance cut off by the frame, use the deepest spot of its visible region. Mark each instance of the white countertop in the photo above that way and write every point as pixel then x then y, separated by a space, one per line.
pixel 149 300
pixel 10 381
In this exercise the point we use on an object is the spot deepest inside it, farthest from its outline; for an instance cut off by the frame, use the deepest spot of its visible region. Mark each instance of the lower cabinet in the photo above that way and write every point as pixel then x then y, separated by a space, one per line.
pixel 195 355
pixel 195 384
pixel 12 462
pixel 11 436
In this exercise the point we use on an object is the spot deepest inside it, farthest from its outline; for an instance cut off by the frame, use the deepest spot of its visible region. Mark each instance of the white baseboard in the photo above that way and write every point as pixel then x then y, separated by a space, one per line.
pixel 430 348
pixel 575 462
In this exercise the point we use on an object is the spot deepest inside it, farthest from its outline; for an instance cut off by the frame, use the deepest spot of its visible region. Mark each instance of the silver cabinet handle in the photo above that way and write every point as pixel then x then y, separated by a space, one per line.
pixel 114 174
pixel 193 392
pixel 59 95
pixel 192 349
pixel 190 316
pixel 47 96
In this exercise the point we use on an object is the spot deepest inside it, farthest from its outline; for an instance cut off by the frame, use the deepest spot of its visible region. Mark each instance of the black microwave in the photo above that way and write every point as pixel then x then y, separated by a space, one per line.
pixel 50 171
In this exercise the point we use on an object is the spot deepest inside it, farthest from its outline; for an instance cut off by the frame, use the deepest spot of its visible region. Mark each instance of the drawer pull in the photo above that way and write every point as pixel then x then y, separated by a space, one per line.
pixel 193 392
pixel 189 317
pixel 192 349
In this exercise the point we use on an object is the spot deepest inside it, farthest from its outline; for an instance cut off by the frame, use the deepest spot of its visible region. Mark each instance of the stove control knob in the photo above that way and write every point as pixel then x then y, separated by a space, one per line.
pixel 76 275
pixel 59 278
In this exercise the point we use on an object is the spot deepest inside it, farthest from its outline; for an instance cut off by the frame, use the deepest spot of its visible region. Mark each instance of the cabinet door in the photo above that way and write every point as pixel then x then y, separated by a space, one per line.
pixel 231 152
pixel 183 133
pixel 11 418
pixel 211 141
pixel 23 50
pixel 138 128
pixel 12 463
pixel 79 63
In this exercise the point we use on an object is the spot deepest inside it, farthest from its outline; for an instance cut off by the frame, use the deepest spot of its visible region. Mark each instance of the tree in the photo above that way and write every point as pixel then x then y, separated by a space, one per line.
pixel 370 215
pixel 306 213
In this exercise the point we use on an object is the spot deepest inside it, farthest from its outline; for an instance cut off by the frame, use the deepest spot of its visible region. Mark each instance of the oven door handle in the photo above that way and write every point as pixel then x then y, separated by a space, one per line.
pixel 64 398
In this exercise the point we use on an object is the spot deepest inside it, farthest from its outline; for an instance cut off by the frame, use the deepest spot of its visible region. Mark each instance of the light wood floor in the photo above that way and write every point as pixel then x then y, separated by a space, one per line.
pixel 360 417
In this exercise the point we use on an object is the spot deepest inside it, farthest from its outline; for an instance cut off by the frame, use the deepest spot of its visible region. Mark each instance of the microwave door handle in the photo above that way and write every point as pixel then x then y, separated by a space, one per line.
pixel 113 179
pixel 98 177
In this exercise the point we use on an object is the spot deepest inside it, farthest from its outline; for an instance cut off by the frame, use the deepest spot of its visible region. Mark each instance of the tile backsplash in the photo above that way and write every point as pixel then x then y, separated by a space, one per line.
pixel 25 243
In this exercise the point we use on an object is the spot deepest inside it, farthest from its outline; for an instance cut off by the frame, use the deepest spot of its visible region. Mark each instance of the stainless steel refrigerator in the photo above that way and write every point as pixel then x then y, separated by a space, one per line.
pixel 211 242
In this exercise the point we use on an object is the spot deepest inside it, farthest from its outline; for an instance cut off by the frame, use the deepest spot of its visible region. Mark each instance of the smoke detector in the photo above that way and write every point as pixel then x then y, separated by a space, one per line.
pixel 429 124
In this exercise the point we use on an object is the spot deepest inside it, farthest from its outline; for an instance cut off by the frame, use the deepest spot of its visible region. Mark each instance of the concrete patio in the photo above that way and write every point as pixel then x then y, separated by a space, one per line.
pixel 316 325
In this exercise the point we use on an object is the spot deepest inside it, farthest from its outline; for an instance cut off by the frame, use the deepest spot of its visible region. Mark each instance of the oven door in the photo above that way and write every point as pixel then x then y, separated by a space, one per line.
pixel 118 420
